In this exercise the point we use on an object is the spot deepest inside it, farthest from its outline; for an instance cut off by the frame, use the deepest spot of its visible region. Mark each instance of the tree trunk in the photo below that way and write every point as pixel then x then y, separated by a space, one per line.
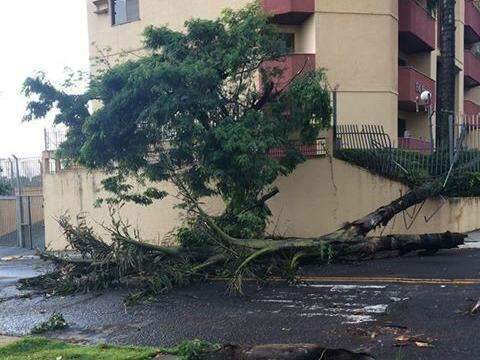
pixel 283 352
pixel 384 214
pixel 430 243
pixel 446 70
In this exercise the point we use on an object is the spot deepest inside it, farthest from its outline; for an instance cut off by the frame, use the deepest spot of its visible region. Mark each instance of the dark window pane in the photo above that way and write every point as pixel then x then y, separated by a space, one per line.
pixel 402 127
pixel 289 40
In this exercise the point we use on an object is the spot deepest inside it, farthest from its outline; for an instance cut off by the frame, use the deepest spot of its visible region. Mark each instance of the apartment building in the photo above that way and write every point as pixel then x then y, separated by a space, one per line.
pixel 379 54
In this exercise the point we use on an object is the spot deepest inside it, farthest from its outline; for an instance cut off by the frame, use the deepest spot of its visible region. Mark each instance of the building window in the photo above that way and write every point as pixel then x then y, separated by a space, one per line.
pixel 124 11
pixel 402 128
pixel 289 40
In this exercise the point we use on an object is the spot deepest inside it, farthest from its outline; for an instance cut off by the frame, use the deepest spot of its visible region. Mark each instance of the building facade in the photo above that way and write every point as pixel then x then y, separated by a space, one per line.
pixel 380 55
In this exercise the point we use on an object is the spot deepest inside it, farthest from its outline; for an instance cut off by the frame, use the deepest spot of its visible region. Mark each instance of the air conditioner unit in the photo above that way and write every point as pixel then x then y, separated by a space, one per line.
pixel 102 6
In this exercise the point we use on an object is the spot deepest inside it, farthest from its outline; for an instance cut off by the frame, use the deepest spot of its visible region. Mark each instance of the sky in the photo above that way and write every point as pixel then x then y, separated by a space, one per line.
pixel 36 35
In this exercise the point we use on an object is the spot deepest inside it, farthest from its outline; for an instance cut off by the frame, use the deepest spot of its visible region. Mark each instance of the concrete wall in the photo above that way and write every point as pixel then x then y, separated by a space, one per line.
pixel 317 198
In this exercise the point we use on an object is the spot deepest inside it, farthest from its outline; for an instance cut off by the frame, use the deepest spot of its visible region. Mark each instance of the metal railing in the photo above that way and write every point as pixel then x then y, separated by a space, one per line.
pixel 53 138
pixel 21 203
pixel 370 147
pixel 317 149
pixel 21 172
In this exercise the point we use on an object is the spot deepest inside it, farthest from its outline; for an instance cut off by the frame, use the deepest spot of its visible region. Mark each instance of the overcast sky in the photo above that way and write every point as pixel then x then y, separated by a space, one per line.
pixel 46 35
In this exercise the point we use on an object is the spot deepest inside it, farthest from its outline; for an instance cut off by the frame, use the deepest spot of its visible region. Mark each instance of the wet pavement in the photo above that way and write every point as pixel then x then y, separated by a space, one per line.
pixel 356 306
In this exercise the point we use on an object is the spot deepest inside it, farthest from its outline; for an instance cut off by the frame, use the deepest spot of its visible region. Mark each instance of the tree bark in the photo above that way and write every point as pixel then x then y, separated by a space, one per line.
pixel 446 70
pixel 384 214
pixel 406 243
pixel 284 352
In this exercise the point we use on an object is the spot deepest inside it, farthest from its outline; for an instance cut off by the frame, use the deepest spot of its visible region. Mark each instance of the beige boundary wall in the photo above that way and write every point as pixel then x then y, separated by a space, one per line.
pixel 317 198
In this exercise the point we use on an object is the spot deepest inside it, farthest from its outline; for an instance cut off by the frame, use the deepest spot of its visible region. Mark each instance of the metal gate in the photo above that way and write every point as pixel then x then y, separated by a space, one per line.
pixel 21 203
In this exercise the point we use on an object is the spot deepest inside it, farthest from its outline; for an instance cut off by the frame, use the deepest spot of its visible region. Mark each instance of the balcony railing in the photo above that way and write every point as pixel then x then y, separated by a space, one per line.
pixel 414 144
pixel 472 69
pixel 472 22
pixel 289 12
pixel 317 149
pixel 411 83
pixel 416 28
pixel 290 66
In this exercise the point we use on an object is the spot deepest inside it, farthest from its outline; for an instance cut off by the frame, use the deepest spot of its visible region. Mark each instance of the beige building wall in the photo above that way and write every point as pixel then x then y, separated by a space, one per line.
pixel 357 43
pixel 317 198
pixel 127 37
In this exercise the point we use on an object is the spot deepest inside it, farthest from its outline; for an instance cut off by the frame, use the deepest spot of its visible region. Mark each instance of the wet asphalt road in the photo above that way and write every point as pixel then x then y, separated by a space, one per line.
pixel 348 314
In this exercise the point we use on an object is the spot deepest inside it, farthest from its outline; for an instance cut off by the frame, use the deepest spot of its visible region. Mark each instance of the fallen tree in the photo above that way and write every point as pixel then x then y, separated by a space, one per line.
pixel 125 260
pixel 192 112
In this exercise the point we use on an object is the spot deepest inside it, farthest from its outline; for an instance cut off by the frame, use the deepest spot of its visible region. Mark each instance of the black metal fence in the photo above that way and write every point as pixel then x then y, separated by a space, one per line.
pixel 370 147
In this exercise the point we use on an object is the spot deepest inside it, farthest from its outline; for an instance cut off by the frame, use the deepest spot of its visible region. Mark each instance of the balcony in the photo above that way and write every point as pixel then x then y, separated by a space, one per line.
pixel 317 149
pixel 414 144
pixel 416 28
pixel 472 22
pixel 472 69
pixel 411 83
pixel 290 65
pixel 289 12
pixel 471 108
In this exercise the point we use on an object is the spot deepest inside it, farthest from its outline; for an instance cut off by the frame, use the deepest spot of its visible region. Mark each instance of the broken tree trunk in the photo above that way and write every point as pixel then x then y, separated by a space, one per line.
pixel 382 215
pixel 406 243
pixel 283 352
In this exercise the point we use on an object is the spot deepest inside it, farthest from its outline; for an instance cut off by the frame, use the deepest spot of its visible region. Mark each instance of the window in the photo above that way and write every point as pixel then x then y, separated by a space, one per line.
pixel 289 40
pixel 124 11
pixel 402 128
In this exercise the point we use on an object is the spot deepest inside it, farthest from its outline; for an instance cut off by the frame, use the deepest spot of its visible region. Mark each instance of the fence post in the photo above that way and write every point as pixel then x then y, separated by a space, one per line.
pixel 45 138
pixel 431 112
pixel 19 219
pixel 30 233
pixel 451 139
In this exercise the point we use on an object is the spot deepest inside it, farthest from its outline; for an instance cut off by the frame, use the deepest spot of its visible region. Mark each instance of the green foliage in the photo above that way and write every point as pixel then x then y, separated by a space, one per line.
pixel 43 349
pixel 192 235
pixel 191 350
pixel 122 261
pixel 55 322
pixel 465 184
pixel 432 6
pixel 5 188
pixel 191 111
pixel 414 168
